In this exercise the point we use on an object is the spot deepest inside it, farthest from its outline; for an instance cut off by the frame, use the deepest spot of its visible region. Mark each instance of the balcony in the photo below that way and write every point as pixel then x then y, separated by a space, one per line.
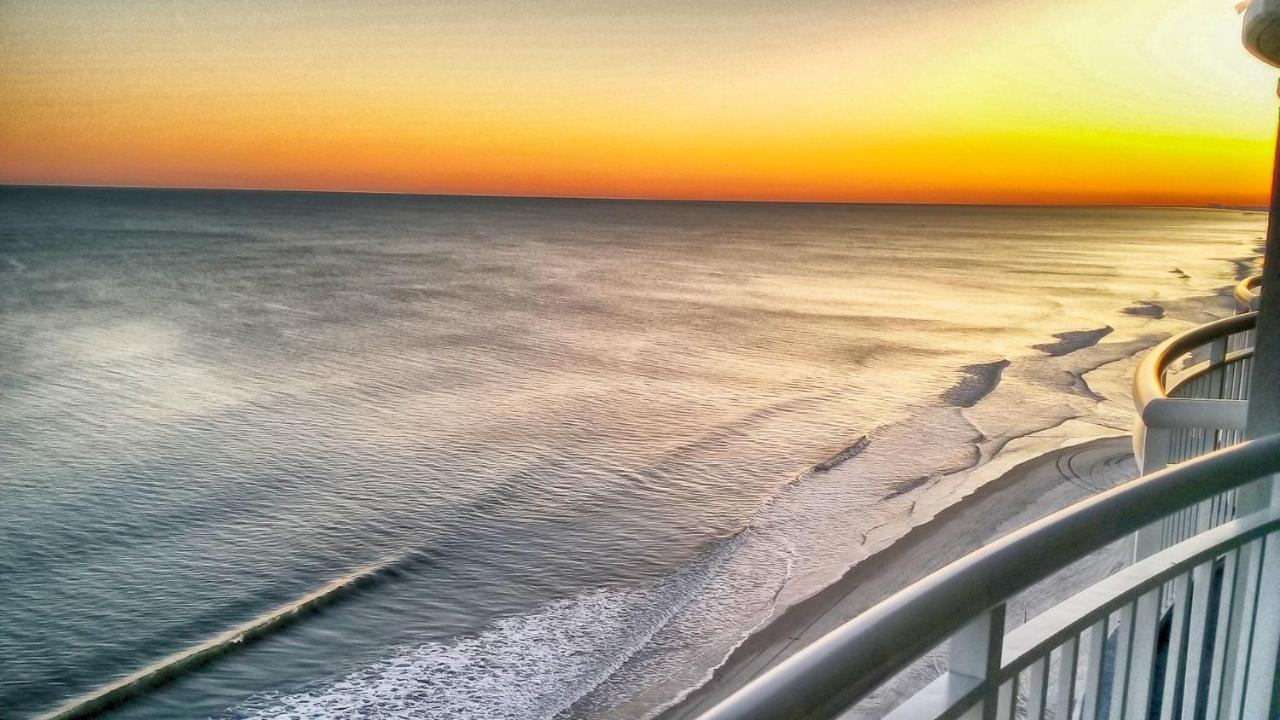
pixel 1248 293
pixel 1190 629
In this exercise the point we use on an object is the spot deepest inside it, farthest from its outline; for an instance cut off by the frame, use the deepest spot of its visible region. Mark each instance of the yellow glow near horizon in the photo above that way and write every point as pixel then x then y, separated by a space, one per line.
pixel 1030 101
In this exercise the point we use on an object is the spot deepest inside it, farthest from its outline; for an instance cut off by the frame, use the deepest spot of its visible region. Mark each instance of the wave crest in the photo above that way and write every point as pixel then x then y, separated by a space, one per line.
pixel 520 667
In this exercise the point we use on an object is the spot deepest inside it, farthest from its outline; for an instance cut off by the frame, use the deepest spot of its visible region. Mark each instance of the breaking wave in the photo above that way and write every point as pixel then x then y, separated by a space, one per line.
pixel 524 666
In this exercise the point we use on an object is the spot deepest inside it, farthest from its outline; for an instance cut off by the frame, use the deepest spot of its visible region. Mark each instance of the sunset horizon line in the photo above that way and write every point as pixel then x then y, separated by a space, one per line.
pixel 1238 207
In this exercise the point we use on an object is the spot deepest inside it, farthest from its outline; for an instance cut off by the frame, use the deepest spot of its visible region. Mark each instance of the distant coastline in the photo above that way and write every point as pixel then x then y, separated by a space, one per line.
pixel 628 199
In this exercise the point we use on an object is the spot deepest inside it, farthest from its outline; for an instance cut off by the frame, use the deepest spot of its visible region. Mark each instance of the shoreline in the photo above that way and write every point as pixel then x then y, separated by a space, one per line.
pixel 1027 488
pixel 1031 489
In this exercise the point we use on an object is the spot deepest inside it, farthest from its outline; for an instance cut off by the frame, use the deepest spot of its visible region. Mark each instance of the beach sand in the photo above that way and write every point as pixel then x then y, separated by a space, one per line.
pixel 1028 491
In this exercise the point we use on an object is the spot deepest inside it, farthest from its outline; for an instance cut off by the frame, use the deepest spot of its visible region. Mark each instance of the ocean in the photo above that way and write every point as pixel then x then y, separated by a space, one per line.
pixel 439 457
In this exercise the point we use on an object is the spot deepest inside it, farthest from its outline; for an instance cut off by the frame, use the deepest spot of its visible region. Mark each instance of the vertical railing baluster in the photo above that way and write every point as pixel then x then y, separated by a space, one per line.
pixel 975 651
pixel 1120 674
pixel 1234 387
pixel 1262 696
pixel 1198 639
pixel 1065 706
pixel 1226 603
pixel 1241 635
pixel 1176 656
pixel 1155 451
pixel 1217 360
pixel 1142 655
pixel 1007 698
pixel 1038 688
pixel 1093 679
pixel 1155 456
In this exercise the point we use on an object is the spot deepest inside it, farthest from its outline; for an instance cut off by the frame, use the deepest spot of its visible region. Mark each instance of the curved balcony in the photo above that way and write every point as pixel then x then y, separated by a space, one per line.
pixel 1248 292
pixel 1190 392
pixel 1190 630
pixel 1169 633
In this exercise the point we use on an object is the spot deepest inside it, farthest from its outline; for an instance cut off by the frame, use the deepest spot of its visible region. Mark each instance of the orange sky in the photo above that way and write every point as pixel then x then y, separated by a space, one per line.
pixel 1025 101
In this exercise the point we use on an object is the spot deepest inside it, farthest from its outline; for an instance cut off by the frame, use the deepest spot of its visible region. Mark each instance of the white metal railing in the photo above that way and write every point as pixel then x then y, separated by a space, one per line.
pixel 1191 631
pixel 1248 293
pixel 1191 393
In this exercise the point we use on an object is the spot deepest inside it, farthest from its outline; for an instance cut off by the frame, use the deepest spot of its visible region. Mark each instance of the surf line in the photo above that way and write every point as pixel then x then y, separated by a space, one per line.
pixel 117 693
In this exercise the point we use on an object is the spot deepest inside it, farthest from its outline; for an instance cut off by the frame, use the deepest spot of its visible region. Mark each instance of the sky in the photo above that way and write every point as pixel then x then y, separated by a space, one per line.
pixel 964 101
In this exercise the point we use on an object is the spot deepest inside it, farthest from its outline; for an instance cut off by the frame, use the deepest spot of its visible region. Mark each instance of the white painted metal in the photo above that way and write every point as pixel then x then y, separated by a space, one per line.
pixel 1198 640
pixel 1207 568
pixel 1248 293
pixel 1124 648
pixel 1038 689
pixel 1067 675
pixel 1176 658
pixel 1229 640
pixel 1142 655
pixel 1201 408
pixel 1262 696
pixel 1226 604
pixel 1097 662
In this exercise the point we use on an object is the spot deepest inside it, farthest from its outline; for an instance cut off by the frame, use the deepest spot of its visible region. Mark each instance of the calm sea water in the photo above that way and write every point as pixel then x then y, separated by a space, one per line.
pixel 573 437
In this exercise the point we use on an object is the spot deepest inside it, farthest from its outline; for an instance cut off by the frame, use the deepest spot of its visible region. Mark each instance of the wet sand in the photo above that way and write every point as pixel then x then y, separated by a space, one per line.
pixel 1028 491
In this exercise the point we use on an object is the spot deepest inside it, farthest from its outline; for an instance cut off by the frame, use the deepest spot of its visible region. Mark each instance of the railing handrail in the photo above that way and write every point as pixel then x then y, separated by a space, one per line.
pixel 1041 634
pixel 843 666
pixel 1247 292
pixel 1148 381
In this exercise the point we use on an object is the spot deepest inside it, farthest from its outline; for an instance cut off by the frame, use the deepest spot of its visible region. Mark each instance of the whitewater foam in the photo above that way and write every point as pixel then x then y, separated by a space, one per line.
pixel 523 667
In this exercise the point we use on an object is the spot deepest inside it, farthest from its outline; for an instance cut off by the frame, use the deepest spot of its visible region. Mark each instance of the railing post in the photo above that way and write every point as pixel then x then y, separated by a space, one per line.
pixel 1092 708
pixel 1262 696
pixel 1155 456
pixel 975 651
pixel 1177 660
pixel 1218 360
pixel 1240 632
pixel 1155 449
pixel 1143 652
pixel 1068 668
pixel 1257 495
pixel 1199 640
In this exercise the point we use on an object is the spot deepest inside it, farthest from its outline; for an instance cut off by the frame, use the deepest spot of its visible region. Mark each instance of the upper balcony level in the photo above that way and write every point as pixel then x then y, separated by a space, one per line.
pixel 1191 392
pixel 1190 629
pixel 1248 293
